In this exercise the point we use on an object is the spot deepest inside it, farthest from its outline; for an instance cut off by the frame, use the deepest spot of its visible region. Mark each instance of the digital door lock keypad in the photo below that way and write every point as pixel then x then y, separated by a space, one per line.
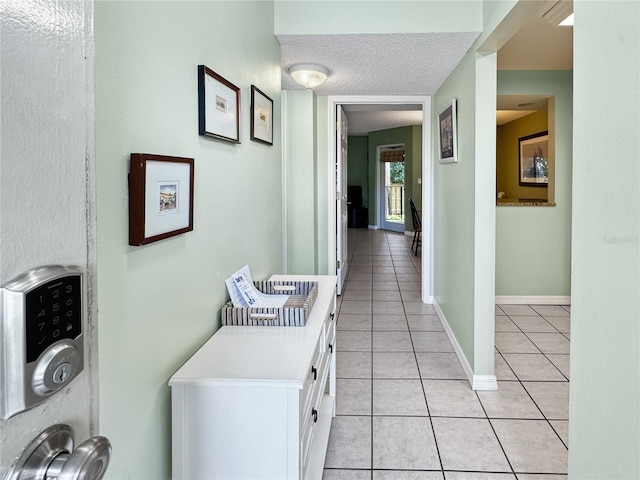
pixel 41 335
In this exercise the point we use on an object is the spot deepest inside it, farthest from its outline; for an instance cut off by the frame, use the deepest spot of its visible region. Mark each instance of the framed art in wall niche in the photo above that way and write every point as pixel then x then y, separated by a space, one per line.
pixel 160 197
pixel 533 159
pixel 261 116
pixel 218 106
pixel 448 133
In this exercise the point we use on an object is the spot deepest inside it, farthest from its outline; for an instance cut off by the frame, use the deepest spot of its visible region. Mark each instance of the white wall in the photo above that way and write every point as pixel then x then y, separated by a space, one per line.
pixel 46 181
pixel 604 430
pixel 160 302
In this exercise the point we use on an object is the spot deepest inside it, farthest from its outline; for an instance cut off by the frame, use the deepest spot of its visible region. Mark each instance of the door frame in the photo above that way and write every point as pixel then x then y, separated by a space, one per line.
pixel 380 186
pixel 425 101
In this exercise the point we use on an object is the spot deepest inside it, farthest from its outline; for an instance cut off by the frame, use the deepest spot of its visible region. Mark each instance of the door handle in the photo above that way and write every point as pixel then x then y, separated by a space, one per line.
pixel 51 455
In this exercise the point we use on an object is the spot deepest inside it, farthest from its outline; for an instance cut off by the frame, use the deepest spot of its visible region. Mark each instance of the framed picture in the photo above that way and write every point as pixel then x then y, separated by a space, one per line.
pixel 218 106
pixel 448 133
pixel 160 197
pixel 534 160
pixel 261 116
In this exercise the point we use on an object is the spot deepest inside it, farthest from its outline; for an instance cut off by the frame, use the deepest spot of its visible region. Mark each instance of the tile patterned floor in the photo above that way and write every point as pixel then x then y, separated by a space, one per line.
pixel 404 408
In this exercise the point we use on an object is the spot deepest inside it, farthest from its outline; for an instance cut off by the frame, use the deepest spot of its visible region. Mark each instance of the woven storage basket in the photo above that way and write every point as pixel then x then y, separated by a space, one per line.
pixel 294 313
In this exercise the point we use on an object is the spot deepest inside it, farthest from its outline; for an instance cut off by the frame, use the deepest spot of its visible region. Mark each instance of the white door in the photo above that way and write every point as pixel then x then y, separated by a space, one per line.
pixel 341 199
pixel 392 198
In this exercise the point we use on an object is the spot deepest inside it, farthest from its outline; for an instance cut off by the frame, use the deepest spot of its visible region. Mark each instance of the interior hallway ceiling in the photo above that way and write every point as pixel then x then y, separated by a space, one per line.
pixel 380 64
pixel 412 64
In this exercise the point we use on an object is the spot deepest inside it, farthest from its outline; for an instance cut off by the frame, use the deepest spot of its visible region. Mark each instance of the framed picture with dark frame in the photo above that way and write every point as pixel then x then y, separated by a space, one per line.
pixel 533 160
pixel 160 197
pixel 218 106
pixel 448 133
pixel 261 116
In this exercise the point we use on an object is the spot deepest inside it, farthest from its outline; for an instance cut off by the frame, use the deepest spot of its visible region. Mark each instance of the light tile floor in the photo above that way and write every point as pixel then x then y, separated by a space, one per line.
pixel 404 407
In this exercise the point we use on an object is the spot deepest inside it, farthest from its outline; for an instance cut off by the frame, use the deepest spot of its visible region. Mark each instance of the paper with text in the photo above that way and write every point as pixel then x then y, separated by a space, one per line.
pixel 243 292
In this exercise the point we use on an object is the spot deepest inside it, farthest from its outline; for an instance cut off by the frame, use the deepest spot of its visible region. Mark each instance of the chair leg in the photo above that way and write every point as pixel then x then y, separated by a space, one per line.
pixel 417 237
pixel 414 240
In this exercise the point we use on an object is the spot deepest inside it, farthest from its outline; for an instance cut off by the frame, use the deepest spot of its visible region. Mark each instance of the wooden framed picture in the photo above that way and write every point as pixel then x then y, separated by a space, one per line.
pixel 533 160
pixel 261 116
pixel 160 197
pixel 218 106
pixel 448 133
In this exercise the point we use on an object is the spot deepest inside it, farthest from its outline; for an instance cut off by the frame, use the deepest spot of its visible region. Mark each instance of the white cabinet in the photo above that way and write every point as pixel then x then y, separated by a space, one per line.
pixel 257 402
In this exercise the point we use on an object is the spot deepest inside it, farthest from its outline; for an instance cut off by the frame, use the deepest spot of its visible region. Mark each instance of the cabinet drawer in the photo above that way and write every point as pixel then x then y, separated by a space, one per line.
pixel 330 336
pixel 310 418
pixel 312 375
pixel 307 437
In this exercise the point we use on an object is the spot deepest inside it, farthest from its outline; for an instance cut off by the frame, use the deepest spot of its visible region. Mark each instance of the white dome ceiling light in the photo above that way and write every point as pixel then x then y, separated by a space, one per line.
pixel 308 75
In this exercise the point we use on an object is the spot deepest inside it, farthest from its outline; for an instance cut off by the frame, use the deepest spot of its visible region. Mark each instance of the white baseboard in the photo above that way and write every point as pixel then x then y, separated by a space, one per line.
pixel 477 382
pixel 373 227
pixel 484 382
pixel 533 300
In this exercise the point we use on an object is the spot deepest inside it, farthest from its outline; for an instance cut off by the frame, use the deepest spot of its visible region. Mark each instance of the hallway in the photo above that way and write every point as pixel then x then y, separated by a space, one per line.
pixel 404 407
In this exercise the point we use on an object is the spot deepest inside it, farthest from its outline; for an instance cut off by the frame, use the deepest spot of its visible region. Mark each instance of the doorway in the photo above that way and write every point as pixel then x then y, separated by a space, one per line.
pixel 392 188
pixel 419 102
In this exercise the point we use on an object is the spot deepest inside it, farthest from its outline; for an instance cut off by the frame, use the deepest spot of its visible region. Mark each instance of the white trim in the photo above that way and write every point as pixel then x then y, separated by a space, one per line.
pixel 427 175
pixel 285 190
pixel 477 382
pixel 380 187
pixel 484 382
pixel 373 227
pixel 533 300
pixel 426 237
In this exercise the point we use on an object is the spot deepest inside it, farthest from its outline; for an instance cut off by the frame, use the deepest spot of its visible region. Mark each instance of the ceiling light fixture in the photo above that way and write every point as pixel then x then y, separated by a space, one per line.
pixel 308 75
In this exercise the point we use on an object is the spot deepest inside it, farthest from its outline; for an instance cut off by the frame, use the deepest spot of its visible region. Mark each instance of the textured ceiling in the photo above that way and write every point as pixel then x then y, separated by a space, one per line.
pixel 414 64
pixel 379 64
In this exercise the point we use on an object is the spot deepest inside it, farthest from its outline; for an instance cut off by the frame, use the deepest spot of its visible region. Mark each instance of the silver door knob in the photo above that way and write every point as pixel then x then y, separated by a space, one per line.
pixel 51 456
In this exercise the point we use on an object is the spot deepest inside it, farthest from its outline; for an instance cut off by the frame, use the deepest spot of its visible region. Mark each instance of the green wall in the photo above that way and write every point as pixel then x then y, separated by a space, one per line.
pixel 306 182
pixel 604 429
pixel 508 159
pixel 328 17
pixel 158 303
pixel 325 261
pixel 454 210
pixel 464 212
pixel 358 167
pixel 412 137
pixel 299 164
pixel 521 231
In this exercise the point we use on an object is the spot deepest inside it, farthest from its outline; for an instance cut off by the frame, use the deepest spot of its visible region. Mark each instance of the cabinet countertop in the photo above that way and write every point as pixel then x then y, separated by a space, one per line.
pixel 259 352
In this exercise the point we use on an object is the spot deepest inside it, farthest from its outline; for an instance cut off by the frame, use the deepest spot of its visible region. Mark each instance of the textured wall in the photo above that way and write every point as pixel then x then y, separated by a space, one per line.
pixel 46 170
pixel 604 429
